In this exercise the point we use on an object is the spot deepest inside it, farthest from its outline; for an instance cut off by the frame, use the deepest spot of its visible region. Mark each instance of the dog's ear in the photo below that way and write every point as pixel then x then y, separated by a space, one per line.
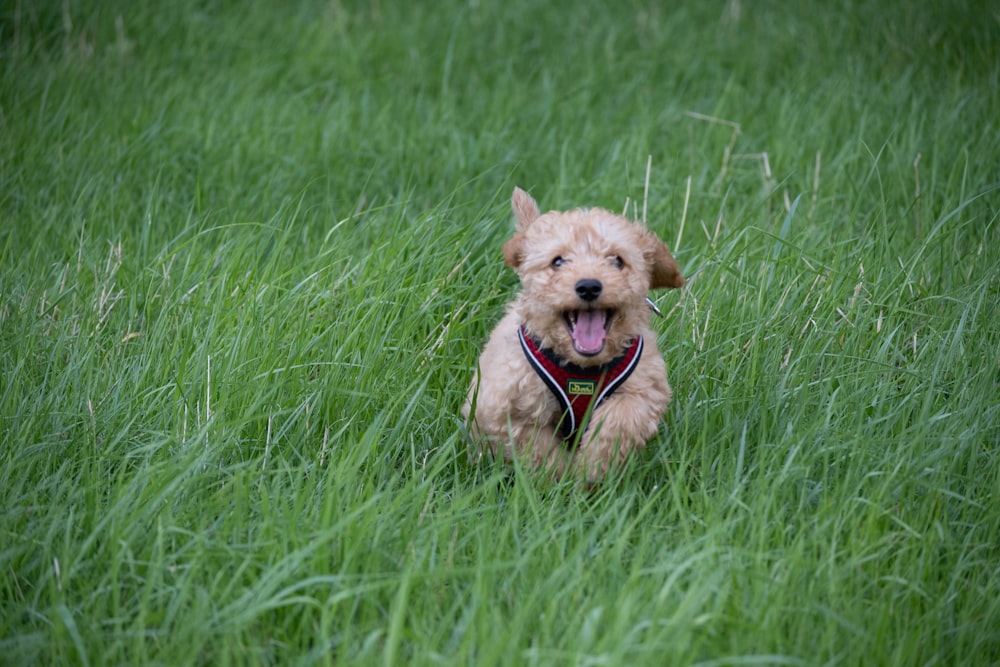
pixel 664 270
pixel 525 209
pixel 513 250
pixel 525 212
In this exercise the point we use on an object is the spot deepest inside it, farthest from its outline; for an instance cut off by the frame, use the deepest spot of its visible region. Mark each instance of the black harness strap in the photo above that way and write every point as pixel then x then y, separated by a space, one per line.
pixel 579 389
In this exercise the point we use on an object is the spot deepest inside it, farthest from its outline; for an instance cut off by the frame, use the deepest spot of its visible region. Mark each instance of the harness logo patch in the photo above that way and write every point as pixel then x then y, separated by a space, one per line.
pixel 581 387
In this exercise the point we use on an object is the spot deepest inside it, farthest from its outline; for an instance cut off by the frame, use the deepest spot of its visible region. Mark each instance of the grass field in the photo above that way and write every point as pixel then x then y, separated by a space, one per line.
pixel 249 253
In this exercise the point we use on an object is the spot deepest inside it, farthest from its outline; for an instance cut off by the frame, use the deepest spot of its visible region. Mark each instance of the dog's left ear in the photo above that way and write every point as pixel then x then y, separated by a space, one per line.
pixel 525 212
pixel 664 271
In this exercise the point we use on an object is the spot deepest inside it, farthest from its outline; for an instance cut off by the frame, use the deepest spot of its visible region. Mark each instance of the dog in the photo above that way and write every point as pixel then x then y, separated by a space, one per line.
pixel 571 380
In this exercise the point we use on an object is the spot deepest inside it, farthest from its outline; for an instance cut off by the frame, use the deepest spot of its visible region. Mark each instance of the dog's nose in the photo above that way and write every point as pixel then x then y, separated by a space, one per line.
pixel 589 289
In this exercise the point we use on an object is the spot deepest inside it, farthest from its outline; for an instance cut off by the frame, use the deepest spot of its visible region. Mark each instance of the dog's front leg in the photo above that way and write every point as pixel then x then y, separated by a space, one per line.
pixel 619 425
pixel 537 446
pixel 540 447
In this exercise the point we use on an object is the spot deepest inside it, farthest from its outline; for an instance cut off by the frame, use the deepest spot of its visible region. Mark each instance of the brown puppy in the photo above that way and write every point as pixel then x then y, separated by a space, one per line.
pixel 571 379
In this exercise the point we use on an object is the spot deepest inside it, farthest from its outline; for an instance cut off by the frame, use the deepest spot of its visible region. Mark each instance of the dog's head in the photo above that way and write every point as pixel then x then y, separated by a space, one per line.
pixel 585 274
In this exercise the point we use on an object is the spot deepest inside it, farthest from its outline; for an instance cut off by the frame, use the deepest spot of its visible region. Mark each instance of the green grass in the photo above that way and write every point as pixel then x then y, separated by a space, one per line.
pixel 249 254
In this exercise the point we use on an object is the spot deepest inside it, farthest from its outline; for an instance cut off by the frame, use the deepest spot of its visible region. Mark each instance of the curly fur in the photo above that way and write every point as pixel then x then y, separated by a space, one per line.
pixel 512 412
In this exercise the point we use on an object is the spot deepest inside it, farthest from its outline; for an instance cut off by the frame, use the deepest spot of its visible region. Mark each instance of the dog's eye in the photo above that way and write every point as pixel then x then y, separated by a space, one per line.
pixel 558 261
pixel 618 262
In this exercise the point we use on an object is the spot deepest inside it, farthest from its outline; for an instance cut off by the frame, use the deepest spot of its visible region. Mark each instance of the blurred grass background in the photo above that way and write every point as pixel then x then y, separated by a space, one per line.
pixel 249 253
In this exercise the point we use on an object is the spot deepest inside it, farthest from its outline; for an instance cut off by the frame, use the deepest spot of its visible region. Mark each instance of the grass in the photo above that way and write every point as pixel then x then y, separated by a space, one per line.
pixel 248 256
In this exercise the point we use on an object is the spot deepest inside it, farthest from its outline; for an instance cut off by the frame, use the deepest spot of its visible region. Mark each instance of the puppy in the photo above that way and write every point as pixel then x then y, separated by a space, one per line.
pixel 571 379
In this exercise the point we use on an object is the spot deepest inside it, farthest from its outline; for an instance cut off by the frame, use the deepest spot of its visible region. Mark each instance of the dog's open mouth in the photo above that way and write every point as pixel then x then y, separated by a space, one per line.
pixel 588 328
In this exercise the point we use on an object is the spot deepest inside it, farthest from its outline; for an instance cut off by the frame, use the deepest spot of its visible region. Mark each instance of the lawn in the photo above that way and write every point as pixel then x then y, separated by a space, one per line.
pixel 249 253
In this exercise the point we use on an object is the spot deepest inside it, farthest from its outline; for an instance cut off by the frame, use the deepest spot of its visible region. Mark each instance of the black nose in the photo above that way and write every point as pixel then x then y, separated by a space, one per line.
pixel 589 289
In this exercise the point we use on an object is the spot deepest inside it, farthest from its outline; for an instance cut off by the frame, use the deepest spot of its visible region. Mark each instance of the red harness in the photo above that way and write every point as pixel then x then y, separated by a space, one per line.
pixel 579 389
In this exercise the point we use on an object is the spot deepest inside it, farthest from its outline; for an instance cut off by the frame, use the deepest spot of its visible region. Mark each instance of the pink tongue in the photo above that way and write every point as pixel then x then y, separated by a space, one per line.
pixel 588 334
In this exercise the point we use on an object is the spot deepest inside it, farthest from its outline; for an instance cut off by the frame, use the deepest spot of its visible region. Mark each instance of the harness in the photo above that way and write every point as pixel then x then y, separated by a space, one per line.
pixel 578 389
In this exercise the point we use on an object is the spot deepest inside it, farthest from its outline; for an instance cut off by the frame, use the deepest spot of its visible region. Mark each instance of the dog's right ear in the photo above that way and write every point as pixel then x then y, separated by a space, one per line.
pixel 525 209
pixel 513 250
pixel 525 212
